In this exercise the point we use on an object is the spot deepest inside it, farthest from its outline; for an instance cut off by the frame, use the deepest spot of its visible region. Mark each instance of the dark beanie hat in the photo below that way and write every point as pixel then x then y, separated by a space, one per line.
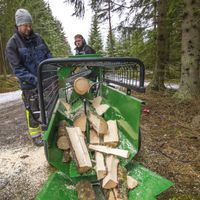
pixel 22 16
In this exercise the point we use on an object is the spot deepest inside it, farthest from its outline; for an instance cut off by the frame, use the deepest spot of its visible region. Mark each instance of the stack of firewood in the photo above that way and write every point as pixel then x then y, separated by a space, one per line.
pixel 103 141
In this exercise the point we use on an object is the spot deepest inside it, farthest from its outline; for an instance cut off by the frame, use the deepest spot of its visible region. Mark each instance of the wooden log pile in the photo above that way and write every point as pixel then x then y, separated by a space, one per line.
pixel 103 141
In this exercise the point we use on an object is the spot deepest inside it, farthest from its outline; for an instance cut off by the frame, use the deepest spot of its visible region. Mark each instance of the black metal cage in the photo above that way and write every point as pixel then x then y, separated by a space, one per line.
pixel 126 72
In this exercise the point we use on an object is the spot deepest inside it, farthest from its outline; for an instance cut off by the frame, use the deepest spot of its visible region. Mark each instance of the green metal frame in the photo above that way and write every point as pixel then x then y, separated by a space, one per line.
pixel 123 108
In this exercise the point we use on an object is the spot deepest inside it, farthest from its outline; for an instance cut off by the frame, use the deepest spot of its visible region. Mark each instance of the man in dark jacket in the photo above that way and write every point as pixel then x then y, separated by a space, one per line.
pixel 81 46
pixel 24 51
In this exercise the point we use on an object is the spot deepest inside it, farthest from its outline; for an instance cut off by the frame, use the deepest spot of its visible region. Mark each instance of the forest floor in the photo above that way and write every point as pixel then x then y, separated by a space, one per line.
pixel 170 147
pixel 171 143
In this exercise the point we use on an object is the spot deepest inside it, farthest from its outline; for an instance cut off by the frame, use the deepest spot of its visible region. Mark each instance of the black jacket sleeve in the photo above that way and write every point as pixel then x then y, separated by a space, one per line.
pixel 89 50
pixel 18 69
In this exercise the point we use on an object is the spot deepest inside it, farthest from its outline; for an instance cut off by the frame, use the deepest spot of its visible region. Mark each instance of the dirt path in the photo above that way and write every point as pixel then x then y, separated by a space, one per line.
pixel 23 167
pixel 170 147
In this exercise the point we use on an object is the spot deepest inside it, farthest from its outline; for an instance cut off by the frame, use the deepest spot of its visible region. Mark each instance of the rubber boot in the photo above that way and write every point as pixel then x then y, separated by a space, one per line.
pixel 38 141
pixel 35 132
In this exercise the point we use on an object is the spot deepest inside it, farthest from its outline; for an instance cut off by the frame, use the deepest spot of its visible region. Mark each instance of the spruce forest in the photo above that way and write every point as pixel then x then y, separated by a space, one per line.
pixel 163 34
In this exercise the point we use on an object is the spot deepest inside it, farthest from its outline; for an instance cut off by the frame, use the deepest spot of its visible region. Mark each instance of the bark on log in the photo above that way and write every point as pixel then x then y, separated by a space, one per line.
pixel 114 194
pixel 66 156
pixel 80 149
pixel 122 187
pixel 63 143
pixel 62 128
pixel 112 138
pixel 99 124
pixel 110 181
pixel 81 122
pixel 108 150
pixel 63 123
pixel 100 166
pixel 62 131
pixel 85 190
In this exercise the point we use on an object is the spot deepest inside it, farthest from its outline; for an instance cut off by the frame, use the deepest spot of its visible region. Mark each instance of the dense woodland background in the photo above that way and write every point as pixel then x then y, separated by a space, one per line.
pixel 164 34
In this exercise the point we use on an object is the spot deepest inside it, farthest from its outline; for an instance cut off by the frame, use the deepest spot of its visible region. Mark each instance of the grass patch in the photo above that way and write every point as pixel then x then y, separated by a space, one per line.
pixel 8 84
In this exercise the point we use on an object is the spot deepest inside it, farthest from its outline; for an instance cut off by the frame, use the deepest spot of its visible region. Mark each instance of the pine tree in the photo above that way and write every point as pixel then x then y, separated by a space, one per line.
pixel 190 67
pixel 95 40
pixel 111 45
pixel 161 56
pixel 43 22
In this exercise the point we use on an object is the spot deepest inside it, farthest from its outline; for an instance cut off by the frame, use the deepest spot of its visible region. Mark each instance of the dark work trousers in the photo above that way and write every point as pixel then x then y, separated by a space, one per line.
pixel 31 102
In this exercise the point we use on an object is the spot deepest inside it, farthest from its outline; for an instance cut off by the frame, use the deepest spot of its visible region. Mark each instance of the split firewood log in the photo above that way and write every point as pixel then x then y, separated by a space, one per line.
pixel 102 109
pixel 96 101
pixel 113 194
pixel 78 146
pixel 98 123
pixel 112 138
pixel 94 138
pixel 80 122
pixel 108 150
pixel 100 166
pixel 111 181
pixel 65 104
pixel 81 85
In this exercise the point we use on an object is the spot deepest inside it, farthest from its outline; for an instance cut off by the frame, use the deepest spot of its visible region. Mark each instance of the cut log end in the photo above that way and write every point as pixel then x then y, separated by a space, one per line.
pixel 83 170
pixel 81 85
pixel 109 184
pixel 63 143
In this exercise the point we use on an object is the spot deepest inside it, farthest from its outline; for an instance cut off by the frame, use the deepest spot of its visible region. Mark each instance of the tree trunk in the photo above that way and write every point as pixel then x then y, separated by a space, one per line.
pixel 190 54
pixel 110 28
pixel 2 58
pixel 159 71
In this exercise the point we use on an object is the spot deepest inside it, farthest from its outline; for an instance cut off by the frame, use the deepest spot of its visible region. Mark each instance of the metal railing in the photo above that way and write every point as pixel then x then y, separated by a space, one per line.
pixel 125 72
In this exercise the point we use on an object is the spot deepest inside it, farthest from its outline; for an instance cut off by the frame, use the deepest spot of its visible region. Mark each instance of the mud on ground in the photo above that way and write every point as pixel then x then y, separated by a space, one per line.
pixel 170 147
